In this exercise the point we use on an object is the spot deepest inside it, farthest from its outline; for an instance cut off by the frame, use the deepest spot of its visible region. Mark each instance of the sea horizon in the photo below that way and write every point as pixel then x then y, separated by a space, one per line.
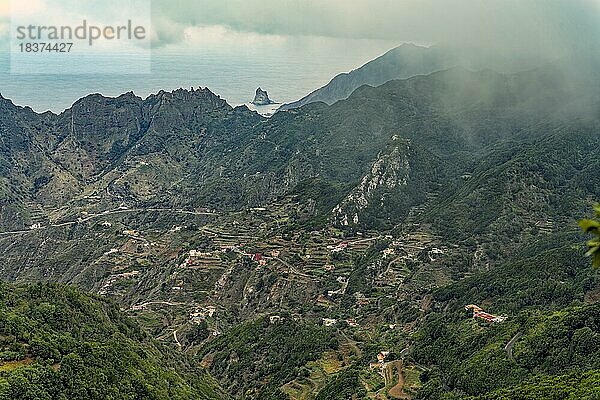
pixel 288 71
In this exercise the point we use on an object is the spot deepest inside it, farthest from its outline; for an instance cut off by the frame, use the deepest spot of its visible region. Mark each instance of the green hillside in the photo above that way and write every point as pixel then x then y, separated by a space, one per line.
pixel 58 343
pixel 327 252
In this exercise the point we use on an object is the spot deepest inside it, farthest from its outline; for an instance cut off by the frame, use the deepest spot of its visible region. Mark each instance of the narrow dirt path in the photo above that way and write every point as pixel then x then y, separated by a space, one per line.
pixel 136 307
pixel 352 345
pixel 397 391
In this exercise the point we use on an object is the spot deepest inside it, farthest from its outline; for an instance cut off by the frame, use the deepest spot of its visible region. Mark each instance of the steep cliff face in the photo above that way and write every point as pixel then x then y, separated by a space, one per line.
pixel 403 176
pixel 389 172
pixel 96 131
pixel 116 149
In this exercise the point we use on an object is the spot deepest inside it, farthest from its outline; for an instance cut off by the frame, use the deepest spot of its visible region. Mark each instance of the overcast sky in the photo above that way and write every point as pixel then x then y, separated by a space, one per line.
pixel 545 24
pixel 290 47
pixel 538 24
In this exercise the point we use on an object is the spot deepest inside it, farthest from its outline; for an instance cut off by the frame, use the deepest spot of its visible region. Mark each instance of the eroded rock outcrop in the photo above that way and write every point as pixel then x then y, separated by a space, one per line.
pixel 261 98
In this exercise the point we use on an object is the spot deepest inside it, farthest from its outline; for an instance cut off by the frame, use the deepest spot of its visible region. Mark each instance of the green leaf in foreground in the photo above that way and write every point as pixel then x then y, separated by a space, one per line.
pixel 592 226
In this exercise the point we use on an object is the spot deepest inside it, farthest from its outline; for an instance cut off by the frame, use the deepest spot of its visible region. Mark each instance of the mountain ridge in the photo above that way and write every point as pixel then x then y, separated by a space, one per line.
pixel 362 226
pixel 91 141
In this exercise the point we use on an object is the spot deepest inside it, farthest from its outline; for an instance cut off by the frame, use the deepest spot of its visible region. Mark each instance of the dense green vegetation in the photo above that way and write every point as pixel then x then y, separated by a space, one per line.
pixel 554 332
pixel 471 358
pixel 344 385
pixel 573 386
pixel 522 188
pixel 552 278
pixel 58 343
pixel 261 357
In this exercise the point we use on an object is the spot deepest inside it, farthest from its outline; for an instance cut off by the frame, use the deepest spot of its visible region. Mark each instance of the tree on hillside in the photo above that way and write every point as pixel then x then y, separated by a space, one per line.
pixel 593 226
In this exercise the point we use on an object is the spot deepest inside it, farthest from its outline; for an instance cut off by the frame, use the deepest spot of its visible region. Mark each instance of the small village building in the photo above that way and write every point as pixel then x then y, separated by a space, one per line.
pixel 478 313
pixel 473 307
pixel 388 252
pixel 382 356
pixel 111 251
pixel 361 300
pixel 203 313
pixel 352 323
pixel 489 317
pixel 323 301
pixel 340 247
pixel 198 253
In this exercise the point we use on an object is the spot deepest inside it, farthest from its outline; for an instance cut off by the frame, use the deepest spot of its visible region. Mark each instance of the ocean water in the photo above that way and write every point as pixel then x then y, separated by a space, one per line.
pixel 288 70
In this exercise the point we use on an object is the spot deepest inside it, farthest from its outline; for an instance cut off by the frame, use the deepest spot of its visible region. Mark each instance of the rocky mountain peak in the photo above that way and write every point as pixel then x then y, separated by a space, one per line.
pixel 261 98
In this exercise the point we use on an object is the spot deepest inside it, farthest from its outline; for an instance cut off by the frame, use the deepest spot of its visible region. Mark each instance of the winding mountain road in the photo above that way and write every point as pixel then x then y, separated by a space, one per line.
pixel 509 346
pixel 105 214
pixel 176 340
